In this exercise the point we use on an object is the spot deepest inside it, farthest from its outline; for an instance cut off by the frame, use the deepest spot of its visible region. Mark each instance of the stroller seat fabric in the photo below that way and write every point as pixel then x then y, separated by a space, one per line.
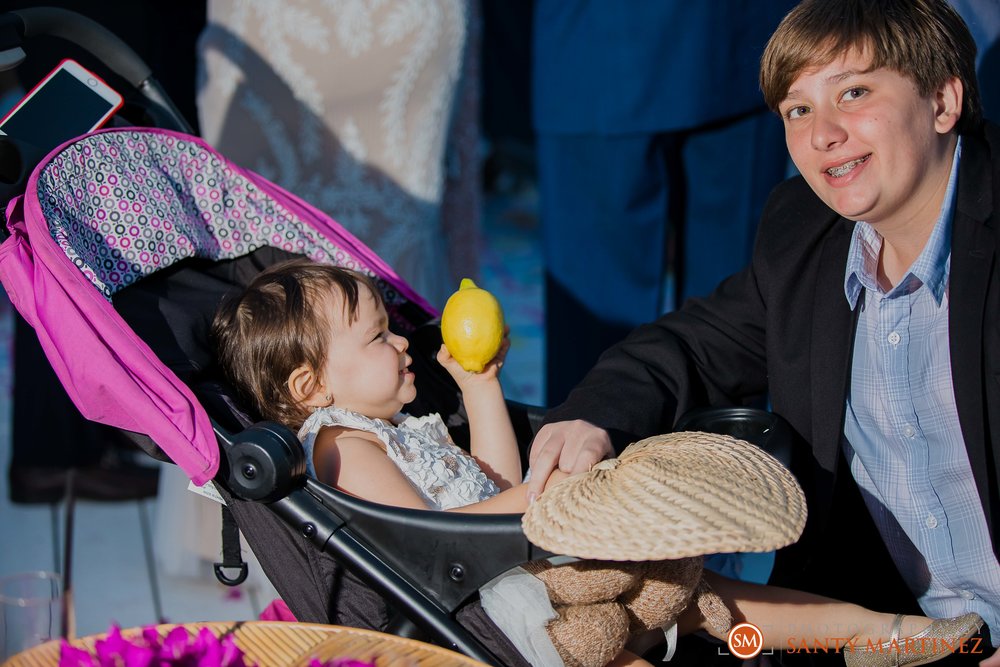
pixel 123 204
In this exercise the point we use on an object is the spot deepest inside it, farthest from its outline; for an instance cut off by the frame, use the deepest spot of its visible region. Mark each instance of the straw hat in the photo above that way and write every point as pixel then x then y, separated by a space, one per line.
pixel 671 496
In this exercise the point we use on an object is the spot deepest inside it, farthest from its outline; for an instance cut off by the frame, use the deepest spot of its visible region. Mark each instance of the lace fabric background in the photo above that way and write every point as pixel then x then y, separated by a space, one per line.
pixel 364 108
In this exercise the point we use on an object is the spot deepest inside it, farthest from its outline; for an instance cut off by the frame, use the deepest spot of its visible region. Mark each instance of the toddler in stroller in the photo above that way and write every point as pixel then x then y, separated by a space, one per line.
pixel 308 345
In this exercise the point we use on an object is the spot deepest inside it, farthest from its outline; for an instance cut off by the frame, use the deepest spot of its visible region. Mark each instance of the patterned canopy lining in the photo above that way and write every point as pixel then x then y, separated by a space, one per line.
pixel 124 204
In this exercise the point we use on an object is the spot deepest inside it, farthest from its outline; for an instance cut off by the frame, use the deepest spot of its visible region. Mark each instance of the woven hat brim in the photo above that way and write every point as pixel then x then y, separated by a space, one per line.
pixel 671 496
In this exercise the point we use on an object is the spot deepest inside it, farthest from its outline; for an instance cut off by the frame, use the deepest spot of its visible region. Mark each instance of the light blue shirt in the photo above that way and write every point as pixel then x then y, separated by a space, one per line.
pixel 902 437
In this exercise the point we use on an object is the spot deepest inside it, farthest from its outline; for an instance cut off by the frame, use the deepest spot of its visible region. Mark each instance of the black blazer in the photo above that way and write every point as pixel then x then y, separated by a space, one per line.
pixel 783 327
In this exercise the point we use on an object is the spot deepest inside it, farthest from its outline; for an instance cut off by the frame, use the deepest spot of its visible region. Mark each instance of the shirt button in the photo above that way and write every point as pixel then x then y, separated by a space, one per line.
pixel 909 431
pixel 967 595
pixel 894 338
pixel 931 521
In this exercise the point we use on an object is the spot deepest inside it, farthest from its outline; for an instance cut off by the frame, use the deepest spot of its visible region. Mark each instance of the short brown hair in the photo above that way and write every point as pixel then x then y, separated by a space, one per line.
pixel 924 40
pixel 274 326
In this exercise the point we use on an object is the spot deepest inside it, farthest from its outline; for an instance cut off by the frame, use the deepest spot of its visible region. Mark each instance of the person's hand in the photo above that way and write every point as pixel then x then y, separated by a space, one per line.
pixel 466 379
pixel 572 446
pixel 992 661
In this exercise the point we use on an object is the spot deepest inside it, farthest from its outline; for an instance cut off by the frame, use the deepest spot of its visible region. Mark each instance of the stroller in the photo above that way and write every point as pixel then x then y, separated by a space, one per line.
pixel 119 250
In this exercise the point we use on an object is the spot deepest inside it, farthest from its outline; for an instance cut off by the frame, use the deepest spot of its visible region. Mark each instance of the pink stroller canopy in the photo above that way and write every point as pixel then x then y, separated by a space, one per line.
pixel 105 210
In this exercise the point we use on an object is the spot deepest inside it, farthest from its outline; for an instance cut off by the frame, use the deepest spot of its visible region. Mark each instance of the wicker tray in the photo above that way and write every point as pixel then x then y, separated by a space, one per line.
pixel 271 644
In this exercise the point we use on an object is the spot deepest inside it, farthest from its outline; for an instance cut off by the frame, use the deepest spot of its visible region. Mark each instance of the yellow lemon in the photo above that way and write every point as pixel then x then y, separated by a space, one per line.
pixel 472 326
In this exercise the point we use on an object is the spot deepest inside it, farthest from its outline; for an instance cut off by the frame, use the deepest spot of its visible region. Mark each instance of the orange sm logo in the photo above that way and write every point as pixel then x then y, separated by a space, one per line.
pixel 745 641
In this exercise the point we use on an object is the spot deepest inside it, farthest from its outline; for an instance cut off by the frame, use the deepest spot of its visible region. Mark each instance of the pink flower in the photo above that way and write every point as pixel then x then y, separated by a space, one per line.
pixel 116 651
pixel 177 649
pixel 175 645
pixel 74 657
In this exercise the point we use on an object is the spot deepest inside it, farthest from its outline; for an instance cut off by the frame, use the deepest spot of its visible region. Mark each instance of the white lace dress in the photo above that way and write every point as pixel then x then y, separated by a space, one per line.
pixel 366 109
pixel 445 475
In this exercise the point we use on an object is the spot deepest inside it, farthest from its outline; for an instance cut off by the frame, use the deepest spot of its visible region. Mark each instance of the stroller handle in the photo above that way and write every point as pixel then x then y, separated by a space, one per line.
pixel 101 43
pixel 86 33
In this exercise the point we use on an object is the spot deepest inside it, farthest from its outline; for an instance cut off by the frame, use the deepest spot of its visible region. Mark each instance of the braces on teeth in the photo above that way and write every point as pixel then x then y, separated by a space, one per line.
pixel 837 172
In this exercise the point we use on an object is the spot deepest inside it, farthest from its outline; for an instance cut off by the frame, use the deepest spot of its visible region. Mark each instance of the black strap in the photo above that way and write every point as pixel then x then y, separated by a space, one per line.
pixel 232 557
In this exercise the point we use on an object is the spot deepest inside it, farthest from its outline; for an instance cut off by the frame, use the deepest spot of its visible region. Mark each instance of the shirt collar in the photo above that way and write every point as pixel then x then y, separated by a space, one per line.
pixel 932 266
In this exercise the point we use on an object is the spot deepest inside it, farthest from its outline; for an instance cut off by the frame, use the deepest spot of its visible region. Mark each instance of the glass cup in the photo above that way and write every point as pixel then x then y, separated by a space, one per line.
pixel 30 611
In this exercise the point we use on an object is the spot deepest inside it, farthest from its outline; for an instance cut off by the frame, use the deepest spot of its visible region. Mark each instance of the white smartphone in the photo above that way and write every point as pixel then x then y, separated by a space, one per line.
pixel 68 102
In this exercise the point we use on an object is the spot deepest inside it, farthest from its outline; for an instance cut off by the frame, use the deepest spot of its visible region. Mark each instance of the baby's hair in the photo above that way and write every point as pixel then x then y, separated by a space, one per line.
pixel 924 40
pixel 276 325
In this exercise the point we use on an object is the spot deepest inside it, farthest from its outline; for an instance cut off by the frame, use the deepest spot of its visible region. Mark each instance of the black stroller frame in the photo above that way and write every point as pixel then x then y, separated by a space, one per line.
pixel 425 565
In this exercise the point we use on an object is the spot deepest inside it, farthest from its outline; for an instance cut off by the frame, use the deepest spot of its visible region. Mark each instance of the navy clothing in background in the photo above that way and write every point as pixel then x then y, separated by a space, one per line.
pixel 655 157
pixel 612 67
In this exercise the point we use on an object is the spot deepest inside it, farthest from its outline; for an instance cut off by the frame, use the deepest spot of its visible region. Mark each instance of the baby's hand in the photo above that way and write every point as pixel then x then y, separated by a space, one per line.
pixel 465 378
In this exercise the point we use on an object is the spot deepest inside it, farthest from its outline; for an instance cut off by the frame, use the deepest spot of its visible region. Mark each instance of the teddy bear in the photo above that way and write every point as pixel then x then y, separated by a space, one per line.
pixel 601 605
